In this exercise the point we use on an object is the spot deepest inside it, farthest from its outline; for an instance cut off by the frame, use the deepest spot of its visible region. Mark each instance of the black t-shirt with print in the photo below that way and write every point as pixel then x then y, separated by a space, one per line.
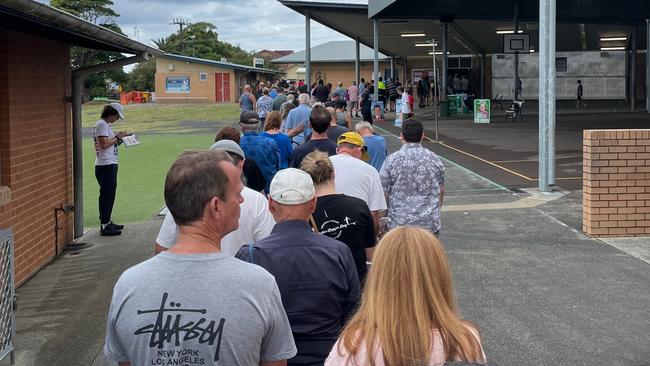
pixel 347 219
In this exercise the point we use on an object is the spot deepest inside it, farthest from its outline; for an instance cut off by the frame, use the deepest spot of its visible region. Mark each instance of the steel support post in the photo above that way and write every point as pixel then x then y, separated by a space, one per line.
pixel 435 88
pixel 445 50
pixel 375 68
pixel 482 76
pixel 546 93
pixel 357 61
pixel 77 156
pixel 515 68
pixel 308 51
pixel 633 69
pixel 647 66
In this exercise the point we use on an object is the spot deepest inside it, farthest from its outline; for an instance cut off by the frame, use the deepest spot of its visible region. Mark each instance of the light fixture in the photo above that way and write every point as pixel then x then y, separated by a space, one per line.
pixel 532 50
pixel 505 31
pixel 439 53
pixel 413 34
pixel 612 48
pixel 608 39
pixel 425 44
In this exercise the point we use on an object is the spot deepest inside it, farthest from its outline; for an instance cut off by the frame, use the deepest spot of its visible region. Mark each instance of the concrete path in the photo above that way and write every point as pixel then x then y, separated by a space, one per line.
pixel 541 292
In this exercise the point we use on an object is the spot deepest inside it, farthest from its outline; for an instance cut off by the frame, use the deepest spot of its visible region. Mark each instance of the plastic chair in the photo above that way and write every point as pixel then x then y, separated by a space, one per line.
pixel 515 111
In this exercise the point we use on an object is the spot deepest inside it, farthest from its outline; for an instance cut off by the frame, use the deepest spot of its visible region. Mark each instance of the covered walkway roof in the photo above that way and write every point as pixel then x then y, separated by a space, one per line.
pixel 473 25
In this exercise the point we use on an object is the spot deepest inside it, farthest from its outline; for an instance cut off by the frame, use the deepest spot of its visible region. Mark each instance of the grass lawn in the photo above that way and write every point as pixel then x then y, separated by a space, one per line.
pixel 141 176
pixel 165 131
pixel 166 118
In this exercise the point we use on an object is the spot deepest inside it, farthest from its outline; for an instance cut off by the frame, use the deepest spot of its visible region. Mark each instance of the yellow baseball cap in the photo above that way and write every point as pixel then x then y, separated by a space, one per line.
pixel 355 139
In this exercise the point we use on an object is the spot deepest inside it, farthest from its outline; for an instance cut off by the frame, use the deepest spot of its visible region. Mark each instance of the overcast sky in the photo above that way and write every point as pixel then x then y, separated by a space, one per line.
pixel 252 24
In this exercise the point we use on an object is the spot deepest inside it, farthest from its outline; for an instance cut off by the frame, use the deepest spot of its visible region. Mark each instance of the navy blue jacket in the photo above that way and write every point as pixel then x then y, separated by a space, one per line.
pixel 318 283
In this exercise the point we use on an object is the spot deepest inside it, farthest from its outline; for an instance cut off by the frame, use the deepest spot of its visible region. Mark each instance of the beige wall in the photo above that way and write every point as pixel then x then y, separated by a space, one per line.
pixel 344 72
pixel 200 91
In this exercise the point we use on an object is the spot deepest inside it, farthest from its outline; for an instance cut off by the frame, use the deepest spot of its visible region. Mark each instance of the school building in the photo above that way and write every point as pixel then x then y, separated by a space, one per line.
pixel 41 195
pixel 183 79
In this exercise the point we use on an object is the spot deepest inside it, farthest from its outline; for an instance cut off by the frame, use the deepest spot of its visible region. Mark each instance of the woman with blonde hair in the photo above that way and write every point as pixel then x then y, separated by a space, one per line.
pixel 408 315
pixel 344 218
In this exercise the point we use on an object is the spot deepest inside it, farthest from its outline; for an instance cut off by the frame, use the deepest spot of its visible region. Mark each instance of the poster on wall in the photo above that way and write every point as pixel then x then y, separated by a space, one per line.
pixel 398 114
pixel 481 111
pixel 177 84
pixel 418 74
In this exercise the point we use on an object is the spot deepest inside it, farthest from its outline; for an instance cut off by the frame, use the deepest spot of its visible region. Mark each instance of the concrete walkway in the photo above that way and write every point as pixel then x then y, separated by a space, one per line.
pixel 541 292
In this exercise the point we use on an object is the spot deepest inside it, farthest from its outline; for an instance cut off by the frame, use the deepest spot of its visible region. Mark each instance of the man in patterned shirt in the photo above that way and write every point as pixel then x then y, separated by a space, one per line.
pixel 413 179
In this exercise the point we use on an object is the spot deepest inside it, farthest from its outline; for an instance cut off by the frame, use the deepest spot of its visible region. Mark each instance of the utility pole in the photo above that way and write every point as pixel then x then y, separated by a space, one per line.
pixel 180 22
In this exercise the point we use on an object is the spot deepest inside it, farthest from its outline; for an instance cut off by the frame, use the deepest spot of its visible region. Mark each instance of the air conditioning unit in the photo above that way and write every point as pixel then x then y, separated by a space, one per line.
pixel 223 59
pixel 171 67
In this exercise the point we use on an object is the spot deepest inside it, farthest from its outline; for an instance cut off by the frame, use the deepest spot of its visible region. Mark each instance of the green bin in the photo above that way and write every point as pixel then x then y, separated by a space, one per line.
pixel 444 108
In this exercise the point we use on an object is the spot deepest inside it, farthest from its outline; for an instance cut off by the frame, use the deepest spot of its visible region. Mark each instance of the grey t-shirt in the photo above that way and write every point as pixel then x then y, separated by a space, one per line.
pixel 199 309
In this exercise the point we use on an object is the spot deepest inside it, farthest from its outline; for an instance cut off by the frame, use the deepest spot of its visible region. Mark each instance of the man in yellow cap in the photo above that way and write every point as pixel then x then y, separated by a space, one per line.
pixel 355 177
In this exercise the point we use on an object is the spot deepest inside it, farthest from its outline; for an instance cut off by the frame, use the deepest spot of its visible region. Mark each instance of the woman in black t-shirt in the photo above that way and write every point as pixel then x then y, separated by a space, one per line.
pixel 338 216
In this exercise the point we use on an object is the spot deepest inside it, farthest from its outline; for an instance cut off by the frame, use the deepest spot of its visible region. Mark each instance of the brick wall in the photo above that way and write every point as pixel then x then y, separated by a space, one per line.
pixel 35 146
pixel 616 182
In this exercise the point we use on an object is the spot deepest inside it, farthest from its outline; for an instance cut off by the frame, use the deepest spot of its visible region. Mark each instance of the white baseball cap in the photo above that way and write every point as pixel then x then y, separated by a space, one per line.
pixel 119 108
pixel 292 187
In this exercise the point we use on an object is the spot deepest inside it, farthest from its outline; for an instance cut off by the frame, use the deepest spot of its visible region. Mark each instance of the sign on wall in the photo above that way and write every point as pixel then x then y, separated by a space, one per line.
pixel 481 111
pixel 177 84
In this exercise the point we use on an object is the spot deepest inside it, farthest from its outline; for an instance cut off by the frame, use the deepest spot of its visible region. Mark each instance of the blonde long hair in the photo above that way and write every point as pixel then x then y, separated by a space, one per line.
pixel 408 293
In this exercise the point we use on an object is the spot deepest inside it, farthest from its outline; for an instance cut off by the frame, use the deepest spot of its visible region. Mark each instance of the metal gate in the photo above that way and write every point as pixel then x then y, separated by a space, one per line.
pixel 7 316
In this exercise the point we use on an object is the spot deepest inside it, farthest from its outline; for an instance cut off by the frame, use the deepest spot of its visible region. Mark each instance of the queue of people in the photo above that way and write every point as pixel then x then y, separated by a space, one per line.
pixel 275 251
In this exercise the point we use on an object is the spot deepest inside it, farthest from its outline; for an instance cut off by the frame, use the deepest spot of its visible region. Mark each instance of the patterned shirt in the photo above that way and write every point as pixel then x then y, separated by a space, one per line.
pixel 264 106
pixel 412 177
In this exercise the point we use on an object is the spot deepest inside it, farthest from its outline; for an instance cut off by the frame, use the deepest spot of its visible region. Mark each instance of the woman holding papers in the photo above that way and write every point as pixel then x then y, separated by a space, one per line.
pixel 106 143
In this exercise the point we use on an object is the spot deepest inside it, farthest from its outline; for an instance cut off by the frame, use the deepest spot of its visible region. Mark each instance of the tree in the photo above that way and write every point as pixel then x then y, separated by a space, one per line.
pixel 142 77
pixel 98 12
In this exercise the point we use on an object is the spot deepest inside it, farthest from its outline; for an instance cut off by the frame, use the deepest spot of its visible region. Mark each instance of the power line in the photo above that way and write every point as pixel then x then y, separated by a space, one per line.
pixel 180 22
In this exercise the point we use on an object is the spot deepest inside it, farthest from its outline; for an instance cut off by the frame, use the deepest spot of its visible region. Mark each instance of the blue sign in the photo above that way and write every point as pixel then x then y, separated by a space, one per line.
pixel 177 84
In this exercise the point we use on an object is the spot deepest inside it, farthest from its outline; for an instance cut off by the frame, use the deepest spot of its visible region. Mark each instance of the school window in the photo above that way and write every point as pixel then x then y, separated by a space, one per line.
pixel 203 76
pixel 561 64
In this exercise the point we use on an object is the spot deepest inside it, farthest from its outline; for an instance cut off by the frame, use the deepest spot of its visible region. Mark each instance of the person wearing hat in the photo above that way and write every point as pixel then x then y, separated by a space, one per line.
pixel 255 221
pixel 106 143
pixel 264 150
pixel 316 274
pixel 355 177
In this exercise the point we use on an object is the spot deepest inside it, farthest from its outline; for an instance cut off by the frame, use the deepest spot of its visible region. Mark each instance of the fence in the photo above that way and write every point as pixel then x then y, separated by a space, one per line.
pixel 7 316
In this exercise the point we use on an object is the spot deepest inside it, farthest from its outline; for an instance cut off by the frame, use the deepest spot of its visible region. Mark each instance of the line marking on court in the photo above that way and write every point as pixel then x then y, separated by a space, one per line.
pixel 480 159
pixel 534 160
pixel 495 184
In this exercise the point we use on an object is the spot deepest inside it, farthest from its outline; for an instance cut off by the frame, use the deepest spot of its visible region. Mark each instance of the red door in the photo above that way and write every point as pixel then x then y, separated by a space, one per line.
pixel 222 85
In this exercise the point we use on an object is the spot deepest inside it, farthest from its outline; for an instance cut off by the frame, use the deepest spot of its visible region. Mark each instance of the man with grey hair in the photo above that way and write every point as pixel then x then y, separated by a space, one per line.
pixel 255 222
pixel 297 123
pixel 193 304
pixel 376 144
pixel 316 274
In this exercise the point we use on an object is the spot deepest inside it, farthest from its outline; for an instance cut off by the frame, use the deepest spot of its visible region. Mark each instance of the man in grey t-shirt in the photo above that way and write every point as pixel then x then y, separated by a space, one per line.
pixel 193 304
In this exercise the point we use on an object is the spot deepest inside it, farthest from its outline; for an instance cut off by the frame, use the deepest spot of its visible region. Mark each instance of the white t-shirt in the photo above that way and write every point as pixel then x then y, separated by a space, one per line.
pixel 406 106
pixel 108 155
pixel 255 224
pixel 357 178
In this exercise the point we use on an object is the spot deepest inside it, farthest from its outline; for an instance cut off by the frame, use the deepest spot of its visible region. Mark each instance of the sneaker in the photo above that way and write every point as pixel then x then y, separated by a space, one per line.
pixel 109 231
pixel 116 226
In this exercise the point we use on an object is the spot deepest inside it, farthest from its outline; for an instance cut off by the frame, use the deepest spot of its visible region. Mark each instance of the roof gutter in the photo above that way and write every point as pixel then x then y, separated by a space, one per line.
pixel 60 19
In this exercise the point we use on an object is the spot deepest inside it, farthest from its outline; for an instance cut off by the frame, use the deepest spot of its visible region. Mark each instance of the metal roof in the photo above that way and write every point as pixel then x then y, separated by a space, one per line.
pixel 228 65
pixel 473 23
pixel 33 17
pixel 579 11
pixel 334 51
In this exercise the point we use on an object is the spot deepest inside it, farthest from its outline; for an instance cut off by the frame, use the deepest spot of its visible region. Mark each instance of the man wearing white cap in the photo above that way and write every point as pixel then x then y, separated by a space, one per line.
pixel 255 221
pixel 316 274
pixel 106 142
